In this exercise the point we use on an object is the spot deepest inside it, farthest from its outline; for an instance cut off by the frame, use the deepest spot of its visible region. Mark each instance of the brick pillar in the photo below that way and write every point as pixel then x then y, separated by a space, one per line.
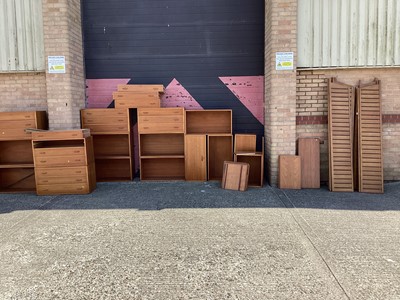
pixel 63 37
pixel 280 86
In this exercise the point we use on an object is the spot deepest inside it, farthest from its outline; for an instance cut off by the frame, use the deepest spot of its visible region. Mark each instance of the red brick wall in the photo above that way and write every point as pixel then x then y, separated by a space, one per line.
pixel 23 91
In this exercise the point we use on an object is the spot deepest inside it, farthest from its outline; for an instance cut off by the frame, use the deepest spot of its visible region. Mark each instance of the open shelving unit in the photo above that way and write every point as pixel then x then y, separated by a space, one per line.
pixel 16 156
pixel 245 152
pixel 112 142
pixel 161 143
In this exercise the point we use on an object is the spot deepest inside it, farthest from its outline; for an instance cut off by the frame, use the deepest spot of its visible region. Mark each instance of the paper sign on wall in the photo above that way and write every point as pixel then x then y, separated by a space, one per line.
pixel 284 61
pixel 56 64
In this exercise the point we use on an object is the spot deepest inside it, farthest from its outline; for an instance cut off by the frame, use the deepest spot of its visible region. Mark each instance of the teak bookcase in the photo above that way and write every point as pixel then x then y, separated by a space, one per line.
pixel 245 152
pixel 161 143
pixel 16 157
pixel 208 143
pixel 112 142
pixel 64 162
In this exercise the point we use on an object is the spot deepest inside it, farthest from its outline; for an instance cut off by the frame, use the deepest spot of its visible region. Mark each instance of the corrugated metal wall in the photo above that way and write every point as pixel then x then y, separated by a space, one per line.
pixel 348 33
pixel 21 36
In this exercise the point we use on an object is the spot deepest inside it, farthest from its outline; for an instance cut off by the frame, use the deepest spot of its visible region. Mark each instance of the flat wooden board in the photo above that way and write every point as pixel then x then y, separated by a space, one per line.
pixel 289 172
pixel 309 152
pixel 235 176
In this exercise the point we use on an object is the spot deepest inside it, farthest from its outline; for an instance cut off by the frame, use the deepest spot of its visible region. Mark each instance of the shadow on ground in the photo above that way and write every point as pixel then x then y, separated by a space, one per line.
pixel 164 195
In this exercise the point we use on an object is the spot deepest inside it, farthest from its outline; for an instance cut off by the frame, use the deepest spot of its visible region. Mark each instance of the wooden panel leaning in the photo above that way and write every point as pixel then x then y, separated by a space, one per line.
pixel 64 162
pixel 309 152
pixel 370 164
pixel 16 157
pixel 341 136
pixel 289 172
pixel 235 176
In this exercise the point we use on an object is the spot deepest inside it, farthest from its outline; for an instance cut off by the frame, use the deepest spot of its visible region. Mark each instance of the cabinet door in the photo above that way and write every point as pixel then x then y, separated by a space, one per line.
pixel 195 158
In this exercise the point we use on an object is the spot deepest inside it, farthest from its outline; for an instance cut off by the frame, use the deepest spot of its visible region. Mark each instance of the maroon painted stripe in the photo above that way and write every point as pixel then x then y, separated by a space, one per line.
pixel 314 120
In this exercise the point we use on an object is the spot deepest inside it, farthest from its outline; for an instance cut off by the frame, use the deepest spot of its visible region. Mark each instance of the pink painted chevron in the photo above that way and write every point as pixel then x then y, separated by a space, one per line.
pixel 99 91
pixel 176 95
pixel 250 91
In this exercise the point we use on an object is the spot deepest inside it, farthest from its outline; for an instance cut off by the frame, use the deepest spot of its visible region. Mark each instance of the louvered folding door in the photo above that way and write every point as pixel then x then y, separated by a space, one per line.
pixel 370 175
pixel 341 130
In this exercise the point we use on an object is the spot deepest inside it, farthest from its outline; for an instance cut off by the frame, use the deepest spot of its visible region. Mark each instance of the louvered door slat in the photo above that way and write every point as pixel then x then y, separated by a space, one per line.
pixel 341 117
pixel 370 165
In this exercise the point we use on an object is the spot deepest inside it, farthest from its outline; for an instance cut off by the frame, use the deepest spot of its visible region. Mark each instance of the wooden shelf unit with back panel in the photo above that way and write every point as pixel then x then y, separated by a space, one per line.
pixel 112 141
pixel 16 157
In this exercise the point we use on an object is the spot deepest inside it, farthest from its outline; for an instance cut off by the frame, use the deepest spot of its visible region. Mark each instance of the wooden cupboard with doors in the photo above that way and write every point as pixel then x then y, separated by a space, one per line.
pixel 208 143
pixel 64 162
pixel 111 130
pixel 16 156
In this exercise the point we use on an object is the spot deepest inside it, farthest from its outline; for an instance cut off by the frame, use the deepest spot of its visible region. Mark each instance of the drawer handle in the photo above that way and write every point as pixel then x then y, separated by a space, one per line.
pixel 44 173
pixel 42 152
pixel 78 172
pixel 45 181
pixel 43 161
pixel 77 151
pixel 78 180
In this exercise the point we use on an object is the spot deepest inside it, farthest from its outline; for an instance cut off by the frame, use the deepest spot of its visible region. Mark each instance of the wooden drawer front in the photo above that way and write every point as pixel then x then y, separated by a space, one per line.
pixel 13 116
pixel 94 128
pixel 45 152
pixel 160 127
pixel 20 124
pixel 55 189
pixel 60 135
pixel 14 134
pixel 40 180
pixel 159 112
pixel 60 161
pixel 88 121
pixel 61 172
pixel 102 114
pixel 136 103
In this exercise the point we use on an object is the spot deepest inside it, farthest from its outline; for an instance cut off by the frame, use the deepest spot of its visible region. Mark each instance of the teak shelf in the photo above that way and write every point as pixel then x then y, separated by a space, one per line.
pixel 245 152
pixel 64 162
pixel 161 143
pixel 16 156
pixel 210 121
pixel 112 142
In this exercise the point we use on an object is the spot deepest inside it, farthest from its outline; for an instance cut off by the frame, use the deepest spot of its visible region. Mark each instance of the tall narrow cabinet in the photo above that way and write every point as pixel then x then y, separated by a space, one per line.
pixel 16 157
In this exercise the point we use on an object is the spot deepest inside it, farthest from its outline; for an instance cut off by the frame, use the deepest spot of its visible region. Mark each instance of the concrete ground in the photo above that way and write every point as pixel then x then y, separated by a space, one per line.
pixel 144 240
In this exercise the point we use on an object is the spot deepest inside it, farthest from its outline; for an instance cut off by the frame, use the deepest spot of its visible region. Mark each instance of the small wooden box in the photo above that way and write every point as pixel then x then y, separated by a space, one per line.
pixel 235 176
pixel 289 172
pixel 161 120
pixel 136 100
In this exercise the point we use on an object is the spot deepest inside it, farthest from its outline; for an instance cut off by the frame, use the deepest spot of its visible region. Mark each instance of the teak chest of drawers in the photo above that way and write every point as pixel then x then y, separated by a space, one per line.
pixel 16 157
pixel 64 162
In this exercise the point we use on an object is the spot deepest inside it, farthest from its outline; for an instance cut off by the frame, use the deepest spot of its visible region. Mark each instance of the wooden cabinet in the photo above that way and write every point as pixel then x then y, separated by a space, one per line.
pixel 112 142
pixel 161 143
pixel 16 157
pixel 308 150
pixel 195 157
pixel 220 149
pixel 246 152
pixel 64 162
pixel 161 120
pixel 209 121
pixel 136 100
pixel 289 172
pixel 162 156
